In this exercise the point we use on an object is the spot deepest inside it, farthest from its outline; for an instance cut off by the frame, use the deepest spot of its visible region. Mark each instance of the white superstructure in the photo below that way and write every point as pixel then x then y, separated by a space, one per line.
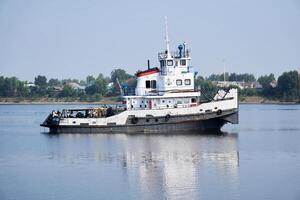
pixel 169 86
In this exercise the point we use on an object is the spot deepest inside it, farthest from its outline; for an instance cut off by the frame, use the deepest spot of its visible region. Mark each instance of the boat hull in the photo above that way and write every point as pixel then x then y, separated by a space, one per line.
pixel 167 125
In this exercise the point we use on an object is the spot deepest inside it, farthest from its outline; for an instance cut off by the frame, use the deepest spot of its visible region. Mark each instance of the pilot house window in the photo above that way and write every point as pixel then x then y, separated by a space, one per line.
pixel 182 62
pixel 170 62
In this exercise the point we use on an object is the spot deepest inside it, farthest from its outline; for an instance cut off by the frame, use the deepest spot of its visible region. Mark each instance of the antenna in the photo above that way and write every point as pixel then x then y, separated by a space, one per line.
pixel 167 37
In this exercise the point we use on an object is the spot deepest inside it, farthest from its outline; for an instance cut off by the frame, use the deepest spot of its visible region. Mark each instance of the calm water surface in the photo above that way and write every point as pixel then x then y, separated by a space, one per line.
pixel 257 159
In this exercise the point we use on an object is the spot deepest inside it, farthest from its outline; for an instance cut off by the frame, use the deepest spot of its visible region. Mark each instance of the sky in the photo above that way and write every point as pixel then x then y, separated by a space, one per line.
pixel 76 38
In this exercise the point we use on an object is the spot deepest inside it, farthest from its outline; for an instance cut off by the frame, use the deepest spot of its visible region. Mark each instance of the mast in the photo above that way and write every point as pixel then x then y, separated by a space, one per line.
pixel 224 69
pixel 167 38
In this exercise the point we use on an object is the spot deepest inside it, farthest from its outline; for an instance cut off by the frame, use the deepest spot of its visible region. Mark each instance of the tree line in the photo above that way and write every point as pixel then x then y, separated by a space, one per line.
pixel 93 88
pixel 285 88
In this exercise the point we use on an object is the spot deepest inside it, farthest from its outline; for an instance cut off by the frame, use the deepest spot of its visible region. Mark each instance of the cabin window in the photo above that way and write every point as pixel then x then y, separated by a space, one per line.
pixel 178 82
pixel 186 100
pixel 187 82
pixel 170 62
pixel 153 84
pixel 148 84
pixel 162 63
pixel 182 62
pixel 194 100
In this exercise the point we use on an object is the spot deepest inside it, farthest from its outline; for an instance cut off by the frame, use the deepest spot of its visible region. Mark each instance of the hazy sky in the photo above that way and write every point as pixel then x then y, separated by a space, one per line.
pixel 74 39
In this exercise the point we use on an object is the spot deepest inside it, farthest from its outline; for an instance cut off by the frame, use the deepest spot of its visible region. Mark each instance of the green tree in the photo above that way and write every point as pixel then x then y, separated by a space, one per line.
pixel 207 88
pixel 90 80
pixel 67 91
pixel 246 77
pixel 99 86
pixel 217 77
pixel 22 90
pixel 40 88
pixel 1 86
pixel 54 82
pixel 288 86
pixel 40 81
pixel 266 80
pixel 119 74
pixel 267 90
pixel 10 87
pixel 123 77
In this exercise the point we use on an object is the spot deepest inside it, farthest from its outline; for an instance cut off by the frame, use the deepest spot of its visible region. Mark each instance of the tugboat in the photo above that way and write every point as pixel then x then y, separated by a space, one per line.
pixel 165 101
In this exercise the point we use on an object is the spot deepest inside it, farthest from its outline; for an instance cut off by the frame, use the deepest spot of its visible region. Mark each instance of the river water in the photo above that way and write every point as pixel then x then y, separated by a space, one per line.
pixel 257 159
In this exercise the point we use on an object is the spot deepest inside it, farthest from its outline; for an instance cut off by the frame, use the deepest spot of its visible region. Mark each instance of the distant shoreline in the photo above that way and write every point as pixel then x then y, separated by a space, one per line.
pixel 46 101
pixel 261 100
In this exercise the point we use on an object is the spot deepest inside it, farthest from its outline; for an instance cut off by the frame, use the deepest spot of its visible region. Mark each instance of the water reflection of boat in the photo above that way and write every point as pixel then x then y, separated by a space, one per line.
pixel 163 166
pixel 177 165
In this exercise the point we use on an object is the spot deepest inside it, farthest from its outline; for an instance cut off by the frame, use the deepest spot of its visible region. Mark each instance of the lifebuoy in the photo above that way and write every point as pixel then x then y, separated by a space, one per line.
pixel 219 112
pixel 167 117
pixel 134 120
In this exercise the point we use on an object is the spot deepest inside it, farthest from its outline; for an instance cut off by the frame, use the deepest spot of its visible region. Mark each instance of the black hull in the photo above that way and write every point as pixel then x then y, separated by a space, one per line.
pixel 203 122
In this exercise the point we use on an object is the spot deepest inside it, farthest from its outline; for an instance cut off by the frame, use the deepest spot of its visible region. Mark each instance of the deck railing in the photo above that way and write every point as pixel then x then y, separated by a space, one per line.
pixel 175 54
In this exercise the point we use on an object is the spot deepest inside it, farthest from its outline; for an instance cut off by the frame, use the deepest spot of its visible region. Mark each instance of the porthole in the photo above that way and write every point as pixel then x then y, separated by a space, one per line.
pixel 156 120
pixel 178 82
pixel 187 82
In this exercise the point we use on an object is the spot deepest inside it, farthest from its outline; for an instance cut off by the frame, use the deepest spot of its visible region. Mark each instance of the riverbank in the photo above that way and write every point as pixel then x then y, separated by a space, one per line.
pixel 115 100
pixel 262 100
